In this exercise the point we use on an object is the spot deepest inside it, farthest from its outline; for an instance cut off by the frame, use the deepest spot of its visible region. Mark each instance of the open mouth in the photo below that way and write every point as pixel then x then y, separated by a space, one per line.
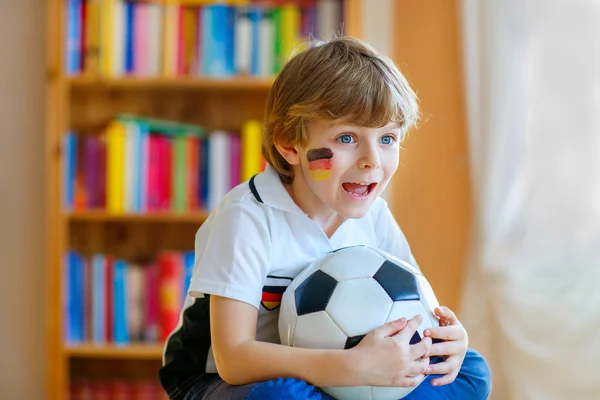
pixel 358 189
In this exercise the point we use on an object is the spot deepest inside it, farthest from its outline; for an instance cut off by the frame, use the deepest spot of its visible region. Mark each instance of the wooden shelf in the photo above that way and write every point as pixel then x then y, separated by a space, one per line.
pixel 132 352
pixel 236 83
pixel 103 216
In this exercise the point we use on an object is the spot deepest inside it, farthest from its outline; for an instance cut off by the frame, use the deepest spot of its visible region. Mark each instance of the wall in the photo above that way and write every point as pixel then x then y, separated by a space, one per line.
pixel 378 24
pixel 431 192
pixel 21 199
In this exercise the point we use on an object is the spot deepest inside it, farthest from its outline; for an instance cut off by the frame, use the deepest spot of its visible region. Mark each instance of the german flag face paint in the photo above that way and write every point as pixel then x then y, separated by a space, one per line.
pixel 319 163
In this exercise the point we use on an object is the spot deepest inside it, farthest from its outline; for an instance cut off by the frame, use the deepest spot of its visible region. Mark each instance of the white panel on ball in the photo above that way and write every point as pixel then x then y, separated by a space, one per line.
pixel 358 306
pixel 349 393
pixel 409 309
pixel 287 319
pixel 318 331
pixel 390 393
pixel 427 296
pixel 352 263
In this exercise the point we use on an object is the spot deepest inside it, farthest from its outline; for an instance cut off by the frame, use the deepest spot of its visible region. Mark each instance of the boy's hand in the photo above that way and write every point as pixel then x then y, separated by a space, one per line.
pixel 387 357
pixel 453 348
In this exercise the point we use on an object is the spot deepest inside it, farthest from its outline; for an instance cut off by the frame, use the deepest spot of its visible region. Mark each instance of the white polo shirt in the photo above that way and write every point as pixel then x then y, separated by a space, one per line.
pixel 252 246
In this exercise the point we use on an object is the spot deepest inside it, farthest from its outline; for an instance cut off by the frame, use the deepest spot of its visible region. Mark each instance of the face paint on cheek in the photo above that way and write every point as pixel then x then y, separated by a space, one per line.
pixel 319 163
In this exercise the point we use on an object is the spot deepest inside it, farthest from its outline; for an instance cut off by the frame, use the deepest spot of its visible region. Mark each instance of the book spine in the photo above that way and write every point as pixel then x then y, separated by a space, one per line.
pixel 69 167
pixel 120 326
pixel 116 137
pixel 170 40
pixel 130 27
pixel 251 148
pixel 179 176
pixel 154 160
pixel 235 155
pixel 98 299
pixel 193 168
pixel 135 294
pixel 141 39
pixel 92 37
pixel 108 297
pixel 73 37
pixel 243 41
pixel 151 303
pixel 170 286
pixel 219 165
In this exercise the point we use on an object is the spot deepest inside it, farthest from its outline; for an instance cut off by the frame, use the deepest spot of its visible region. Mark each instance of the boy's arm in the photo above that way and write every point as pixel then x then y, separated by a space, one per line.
pixel 383 358
pixel 241 359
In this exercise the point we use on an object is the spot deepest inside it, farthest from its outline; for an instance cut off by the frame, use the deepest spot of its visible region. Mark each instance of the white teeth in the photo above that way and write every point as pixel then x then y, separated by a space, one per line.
pixel 362 183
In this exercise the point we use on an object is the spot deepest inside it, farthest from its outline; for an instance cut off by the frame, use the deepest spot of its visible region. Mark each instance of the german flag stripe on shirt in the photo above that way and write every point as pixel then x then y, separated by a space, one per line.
pixel 271 296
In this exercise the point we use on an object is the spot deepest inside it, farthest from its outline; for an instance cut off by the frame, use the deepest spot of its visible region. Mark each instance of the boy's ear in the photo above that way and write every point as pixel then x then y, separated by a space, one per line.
pixel 290 153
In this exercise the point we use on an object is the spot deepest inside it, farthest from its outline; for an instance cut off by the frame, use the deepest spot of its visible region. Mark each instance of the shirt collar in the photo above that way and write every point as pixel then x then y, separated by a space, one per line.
pixel 273 193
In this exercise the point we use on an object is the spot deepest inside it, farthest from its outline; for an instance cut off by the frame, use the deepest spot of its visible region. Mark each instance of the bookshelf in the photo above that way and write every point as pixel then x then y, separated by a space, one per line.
pixel 196 217
pixel 238 84
pixel 88 101
pixel 133 351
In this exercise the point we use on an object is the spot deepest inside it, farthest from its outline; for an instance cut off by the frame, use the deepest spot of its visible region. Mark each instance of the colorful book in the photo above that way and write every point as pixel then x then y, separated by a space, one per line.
pixel 74 301
pixel 179 174
pixel 120 309
pixel 99 299
pixel 73 36
pixel 243 41
pixel 170 40
pixel 219 165
pixel 115 179
pixel 193 169
pixel 235 154
pixel 69 168
pixel 151 279
pixel 251 149
pixel 135 301
pixel 170 278
pixel 131 9
pixel 92 37
pixel 154 52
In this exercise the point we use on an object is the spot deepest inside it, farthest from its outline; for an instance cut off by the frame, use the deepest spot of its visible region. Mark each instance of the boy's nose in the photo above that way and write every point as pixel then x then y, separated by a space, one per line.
pixel 370 160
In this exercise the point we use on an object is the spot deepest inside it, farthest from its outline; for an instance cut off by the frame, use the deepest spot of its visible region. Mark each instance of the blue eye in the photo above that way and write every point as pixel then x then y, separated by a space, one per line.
pixel 387 139
pixel 346 139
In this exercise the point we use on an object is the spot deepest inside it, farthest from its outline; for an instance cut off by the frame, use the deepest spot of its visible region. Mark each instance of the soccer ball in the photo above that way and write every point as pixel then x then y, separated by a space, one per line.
pixel 339 298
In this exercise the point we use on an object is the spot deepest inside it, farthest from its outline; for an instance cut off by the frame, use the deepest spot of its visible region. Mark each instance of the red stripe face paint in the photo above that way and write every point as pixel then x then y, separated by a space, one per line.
pixel 319 163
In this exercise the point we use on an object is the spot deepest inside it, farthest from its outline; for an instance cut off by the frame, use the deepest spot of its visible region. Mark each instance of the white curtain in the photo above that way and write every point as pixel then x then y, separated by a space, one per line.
pixel 532 292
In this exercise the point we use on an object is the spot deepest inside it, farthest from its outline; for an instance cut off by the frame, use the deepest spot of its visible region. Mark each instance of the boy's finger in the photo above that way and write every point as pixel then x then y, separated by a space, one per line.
pixel 412 381
pixel 418 367
pixel 445 380
pixel 452 332
pixel 421 349
pixel 445 348
pixel 411 327
pixel 391 328
pixel 445 312
pixel 443 368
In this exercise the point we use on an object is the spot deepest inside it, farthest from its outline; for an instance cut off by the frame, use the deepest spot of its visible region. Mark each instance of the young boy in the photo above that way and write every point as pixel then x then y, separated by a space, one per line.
pixel 335 117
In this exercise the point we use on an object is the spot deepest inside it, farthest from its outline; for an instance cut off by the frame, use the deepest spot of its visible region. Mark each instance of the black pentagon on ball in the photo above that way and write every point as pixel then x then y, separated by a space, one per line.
pixel 416 338
pixel 353 341
pixel 314 293
pixel 399 284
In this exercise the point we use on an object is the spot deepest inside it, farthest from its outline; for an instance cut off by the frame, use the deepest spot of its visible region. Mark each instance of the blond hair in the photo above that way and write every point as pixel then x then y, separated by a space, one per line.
pixel 343 78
